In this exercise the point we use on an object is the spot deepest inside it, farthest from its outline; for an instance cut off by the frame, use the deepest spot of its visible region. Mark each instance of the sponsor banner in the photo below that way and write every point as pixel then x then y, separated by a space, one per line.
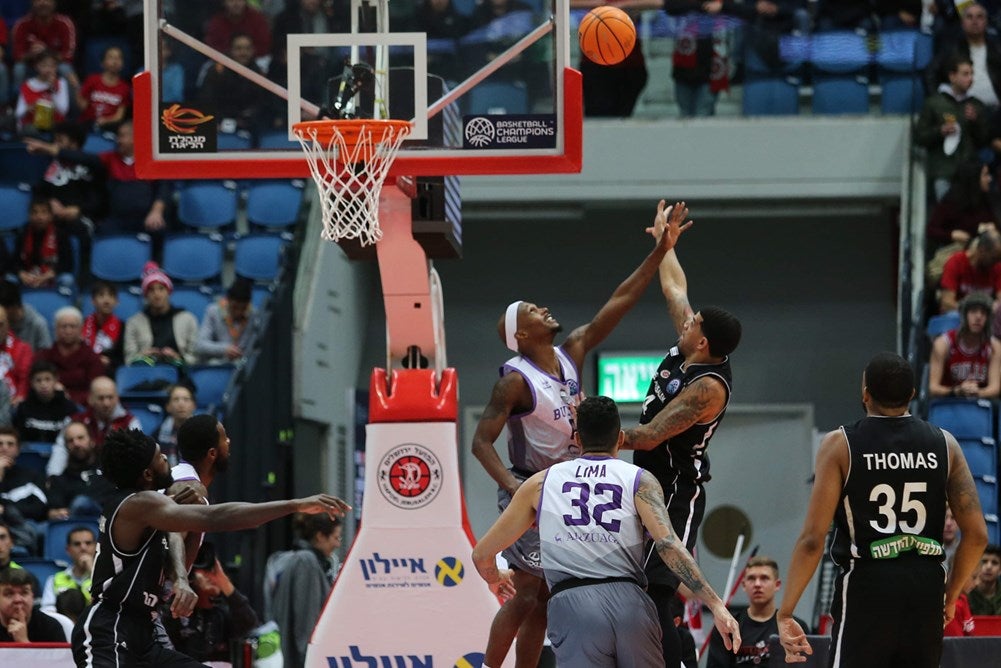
pixel 371 655
pixel 187 129
pixel 49 656
pixel 509 131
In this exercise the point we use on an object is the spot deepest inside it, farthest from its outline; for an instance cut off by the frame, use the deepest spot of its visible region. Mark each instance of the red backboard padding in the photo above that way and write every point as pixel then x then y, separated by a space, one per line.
pixel 412 395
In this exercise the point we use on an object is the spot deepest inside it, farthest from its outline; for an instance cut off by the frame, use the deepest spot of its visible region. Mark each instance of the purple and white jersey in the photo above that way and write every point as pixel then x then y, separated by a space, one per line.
pixel 183 472
pixel 543 436
pixel 588 524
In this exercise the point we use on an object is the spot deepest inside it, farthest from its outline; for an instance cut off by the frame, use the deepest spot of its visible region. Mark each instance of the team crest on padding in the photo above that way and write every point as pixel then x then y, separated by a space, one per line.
pixel 409 476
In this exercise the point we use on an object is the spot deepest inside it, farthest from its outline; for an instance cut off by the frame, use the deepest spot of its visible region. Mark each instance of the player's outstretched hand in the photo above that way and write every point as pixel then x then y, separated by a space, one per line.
pixel 669 223
pixel 185 598
pixel 504 587
pixel 728 628
pixel 793 640
pixel 323 503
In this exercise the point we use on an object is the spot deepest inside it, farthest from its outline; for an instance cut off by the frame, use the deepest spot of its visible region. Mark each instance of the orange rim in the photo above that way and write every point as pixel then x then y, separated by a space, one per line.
pixel 349 129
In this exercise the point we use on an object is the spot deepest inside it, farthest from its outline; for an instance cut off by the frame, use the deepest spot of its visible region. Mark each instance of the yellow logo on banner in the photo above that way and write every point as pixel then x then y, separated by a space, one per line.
pixel 473 660
pixel 449 571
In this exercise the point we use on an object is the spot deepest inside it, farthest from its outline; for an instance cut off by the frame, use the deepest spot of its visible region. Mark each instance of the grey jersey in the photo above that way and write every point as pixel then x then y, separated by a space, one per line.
pixel 587 519
pixel 544 435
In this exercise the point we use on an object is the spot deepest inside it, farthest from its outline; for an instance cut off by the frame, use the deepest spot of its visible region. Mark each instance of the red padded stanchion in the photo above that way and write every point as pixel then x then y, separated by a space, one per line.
pixel 413 395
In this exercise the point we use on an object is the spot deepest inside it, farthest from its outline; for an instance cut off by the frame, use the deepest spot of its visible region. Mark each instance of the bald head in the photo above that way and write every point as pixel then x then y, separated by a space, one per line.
pixel 103 397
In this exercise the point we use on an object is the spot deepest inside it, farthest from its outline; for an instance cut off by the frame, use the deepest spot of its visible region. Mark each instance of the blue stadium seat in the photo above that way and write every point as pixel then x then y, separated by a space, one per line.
pixel 41 568
pixel 208 204
pixel 981 455
pixel 149 415
pixel 211 382
pixel 258 257
pixel 993 530
pixel 192 298
pixel 193 258
pixel 139 382
pixel 497 97
pixel 940 324
pixel 57 531
pixel 17 165
pixel 771 96
pixel 47 301
pixel 987 490
pixel 840 60
pixel 902 58
pixel 16 198
pixel 233 141
pixel 120 258
pixel 99 142
pixel 274 204
pixel 277 139
pixel 963 418
pixel 95 48
pixel 902 93
pixel 260 296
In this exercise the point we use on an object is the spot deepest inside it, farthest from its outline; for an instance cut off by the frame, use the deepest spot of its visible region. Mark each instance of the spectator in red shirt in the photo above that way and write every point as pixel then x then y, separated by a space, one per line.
pixel 40 29
pixel 105 96
pixel 45 88
pixel 134 205
pixel 966 361
pixel 15 361
pixel 44 255
pixel 236 17
pixel 77 363
pixel 102 329
pixel 975 269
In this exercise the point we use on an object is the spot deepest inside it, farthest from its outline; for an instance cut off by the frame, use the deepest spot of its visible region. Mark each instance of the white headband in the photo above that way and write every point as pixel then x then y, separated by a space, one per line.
pixel 511 325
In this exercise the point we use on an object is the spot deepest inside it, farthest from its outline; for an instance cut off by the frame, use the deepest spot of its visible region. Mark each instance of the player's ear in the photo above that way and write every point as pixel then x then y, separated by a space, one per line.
pixel 621 439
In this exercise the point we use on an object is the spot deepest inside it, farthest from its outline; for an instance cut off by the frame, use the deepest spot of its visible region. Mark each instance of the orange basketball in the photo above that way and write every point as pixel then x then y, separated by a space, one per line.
pixel 607 35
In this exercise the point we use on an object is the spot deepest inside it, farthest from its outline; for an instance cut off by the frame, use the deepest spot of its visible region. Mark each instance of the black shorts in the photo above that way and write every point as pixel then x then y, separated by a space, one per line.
pixel 888 614
pixel 105 638
pixel 686 506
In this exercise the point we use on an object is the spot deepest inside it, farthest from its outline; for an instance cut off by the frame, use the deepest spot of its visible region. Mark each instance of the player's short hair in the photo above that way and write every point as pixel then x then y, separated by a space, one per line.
pixel 722 330
pixel 768 562
pixel 890 380
pixel 198 435
pixel 125 454
pixel 598 424
pixel 308 526
pixel 17 577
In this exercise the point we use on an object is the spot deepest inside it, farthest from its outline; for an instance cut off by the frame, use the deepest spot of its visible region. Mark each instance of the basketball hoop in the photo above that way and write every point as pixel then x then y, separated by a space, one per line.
pixel 350 160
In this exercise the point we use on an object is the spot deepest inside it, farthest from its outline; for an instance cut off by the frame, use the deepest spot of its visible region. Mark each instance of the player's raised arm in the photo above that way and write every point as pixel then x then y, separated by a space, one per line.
pixel 586 337
pixel 510 394
pixel 965 505
pixel 697 403
pixel 653 514
pixel 673 282
pixel 832 467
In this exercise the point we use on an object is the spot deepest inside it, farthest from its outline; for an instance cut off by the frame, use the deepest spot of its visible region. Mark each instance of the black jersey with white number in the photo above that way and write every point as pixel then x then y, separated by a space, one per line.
pixel 683 455
pixel 130 581
pixel 893 502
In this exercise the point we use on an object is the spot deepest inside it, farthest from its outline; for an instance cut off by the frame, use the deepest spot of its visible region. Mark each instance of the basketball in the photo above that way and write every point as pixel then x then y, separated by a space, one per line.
pixel 607 35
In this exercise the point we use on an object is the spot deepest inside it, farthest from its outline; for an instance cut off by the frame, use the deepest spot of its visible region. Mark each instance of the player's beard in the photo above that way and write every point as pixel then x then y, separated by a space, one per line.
pixel 221 464
pixel 163 481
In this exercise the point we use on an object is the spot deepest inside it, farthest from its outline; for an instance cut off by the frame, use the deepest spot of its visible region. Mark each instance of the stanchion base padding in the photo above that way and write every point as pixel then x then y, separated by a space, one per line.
pixel 412 395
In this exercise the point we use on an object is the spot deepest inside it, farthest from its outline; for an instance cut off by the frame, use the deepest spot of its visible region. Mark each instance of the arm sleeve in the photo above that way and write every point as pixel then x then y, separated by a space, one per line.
pixel 58 458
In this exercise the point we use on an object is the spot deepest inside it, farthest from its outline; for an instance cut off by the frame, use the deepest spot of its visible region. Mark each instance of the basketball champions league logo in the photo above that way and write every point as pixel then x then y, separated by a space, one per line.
pixel 509 131
pixel 410 476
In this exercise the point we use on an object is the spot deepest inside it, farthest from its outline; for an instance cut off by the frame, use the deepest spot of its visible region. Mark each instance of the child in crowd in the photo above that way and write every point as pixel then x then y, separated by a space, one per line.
pixel 102 329
pixel 44 255
pixel 104 96
pixel 46 410
pixel 43 99
pixel 180 406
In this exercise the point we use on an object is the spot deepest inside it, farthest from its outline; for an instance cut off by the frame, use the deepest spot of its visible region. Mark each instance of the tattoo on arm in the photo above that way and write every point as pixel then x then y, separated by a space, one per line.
pixel 670 549
pixel 700 401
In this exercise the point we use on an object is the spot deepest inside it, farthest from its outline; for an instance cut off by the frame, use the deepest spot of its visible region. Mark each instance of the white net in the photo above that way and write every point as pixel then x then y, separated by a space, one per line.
pixel 350 161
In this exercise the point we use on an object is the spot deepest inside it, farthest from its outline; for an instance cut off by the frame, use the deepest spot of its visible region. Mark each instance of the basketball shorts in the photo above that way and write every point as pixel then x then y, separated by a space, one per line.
pixel 888 614
pixel 605 625
pixel 106 639
pixel 526 553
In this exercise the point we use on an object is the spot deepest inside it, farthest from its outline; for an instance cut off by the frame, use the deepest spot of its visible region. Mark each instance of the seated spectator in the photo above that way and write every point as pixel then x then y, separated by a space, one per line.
pixel 962 623
pixel 73 180
pixel 180 406
pixel 71 603
pixel 77 363
pixel 80 490
pixel 975 269
pixel 19 621
pixel 237 18
pixel 15 361
pixel 304 583
pixel 968 204
pixel 105 96
pixel 966 362
pixel 19 486
pixel 238 102
pixel 44 256
pixel 221 615
pixel 985 598
pixel 229 326
pixel 24 320
pixel 983 49
pixel 40 418
pixel 103 330
pixel 104 412
pixel 171 74
pixel 42 29
pixel 161 332
pixel 44 99
pixel 952 126
pixel 135 205
pixel 6 548
pixel 757 624
pixel 81 545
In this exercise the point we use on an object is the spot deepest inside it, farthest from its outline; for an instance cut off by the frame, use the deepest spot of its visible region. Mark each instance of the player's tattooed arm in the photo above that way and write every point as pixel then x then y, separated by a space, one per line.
pixel 965 505
pixel 701 401
pixel 510 395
